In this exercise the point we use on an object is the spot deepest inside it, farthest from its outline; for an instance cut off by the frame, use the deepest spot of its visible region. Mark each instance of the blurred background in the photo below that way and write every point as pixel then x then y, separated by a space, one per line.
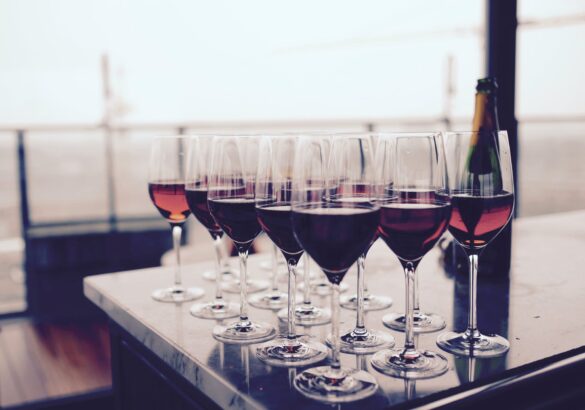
pixel 86 84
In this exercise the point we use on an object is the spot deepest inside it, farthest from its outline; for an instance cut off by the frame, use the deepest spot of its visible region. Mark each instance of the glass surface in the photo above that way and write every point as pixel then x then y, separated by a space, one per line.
pixel 411 184
pixel 231 201
pixel 67 163
pixel 334 221
pixel 547 107
pixel 481 187
pixel 166 186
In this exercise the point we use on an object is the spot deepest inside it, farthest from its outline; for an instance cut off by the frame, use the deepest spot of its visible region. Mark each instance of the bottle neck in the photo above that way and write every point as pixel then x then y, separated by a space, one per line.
pixel 485 116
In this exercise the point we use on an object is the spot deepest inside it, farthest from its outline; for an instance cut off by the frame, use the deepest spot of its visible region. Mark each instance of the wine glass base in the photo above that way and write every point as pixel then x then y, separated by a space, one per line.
pixel 423 322
pixel 216 309
pixel 244 332
pixel 323 288
pixel 273 300
pixel 229 274
pixel 285 352
pixel 307 315
pixel 371 341
pixel 177 294
pixel 254 285
pixel 316 384
pixel 426 365
pixel 461 344
pixel 371 302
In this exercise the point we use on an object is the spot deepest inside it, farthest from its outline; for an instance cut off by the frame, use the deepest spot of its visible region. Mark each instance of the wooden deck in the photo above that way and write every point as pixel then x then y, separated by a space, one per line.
pixel 49 361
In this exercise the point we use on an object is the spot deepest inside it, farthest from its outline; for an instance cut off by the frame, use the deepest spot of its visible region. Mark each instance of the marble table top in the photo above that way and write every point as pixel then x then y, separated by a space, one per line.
pixel 539 309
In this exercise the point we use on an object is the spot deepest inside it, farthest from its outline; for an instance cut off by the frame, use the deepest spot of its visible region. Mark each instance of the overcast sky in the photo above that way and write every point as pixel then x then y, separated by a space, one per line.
pixel 187 60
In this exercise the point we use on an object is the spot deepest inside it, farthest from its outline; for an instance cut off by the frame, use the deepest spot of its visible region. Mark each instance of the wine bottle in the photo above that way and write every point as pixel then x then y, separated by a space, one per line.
pixel 483 170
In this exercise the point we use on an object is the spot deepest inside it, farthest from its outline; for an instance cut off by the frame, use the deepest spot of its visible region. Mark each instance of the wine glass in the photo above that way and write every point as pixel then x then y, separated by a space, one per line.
pixel 227 272
pixel 370 301
pixel 354 185
pixel 423 321
pixel 335 234
pixel 306 312
pixel 414 213
pixel 166 187
pixel 273 207
pixel 273 299
pixel 231 202
pixel 196 189
pixel 481 184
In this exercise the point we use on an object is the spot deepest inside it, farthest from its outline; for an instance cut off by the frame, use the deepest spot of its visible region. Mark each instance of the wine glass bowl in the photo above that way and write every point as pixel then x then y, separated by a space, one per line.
pixel 481 185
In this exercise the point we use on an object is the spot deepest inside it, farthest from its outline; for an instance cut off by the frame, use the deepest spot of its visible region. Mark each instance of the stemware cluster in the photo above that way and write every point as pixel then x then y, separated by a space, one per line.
pixel 331 197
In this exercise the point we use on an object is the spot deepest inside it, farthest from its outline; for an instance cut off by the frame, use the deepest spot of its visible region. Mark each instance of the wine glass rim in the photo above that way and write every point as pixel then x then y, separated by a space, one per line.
pixel 412 134
pixel 471 132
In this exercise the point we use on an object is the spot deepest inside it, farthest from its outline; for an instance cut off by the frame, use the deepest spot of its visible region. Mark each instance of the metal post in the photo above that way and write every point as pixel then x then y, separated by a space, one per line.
pixel 24 208
pixel 501 63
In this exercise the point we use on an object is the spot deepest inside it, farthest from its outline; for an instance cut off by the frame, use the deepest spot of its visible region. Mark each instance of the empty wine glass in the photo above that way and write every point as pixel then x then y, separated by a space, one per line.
pixel 228 273
pixel 166 186
pixel 306 312
pixel 370 301
pixel 335 234
pixel 273 299
pixel 481 184
pixel 273 207
pixel 231 201
pixel 414 213
pixel 196 189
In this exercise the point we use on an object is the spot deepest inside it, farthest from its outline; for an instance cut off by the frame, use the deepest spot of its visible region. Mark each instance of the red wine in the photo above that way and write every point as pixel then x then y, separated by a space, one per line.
pixel 169 199
pixel 275 220
pixel 236 217
pixel 476 220
pixel 197 200
pixel 334 235
pixel 411 229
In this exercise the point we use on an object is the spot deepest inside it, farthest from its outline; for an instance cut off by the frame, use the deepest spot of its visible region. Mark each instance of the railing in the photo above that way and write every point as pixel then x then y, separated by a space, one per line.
pixel 21 131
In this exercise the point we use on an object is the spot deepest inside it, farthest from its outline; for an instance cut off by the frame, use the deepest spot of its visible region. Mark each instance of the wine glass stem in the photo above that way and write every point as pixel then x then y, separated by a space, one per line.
pixel 177 230
pixel 361 266
pixel 274 268
pixel 218 265
pixel 472 323
pixel 335 364
pixel 292 284
pixel 225 265
pixel 416 306
pixel 243 286
pixel 307 280
pixel 409 272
